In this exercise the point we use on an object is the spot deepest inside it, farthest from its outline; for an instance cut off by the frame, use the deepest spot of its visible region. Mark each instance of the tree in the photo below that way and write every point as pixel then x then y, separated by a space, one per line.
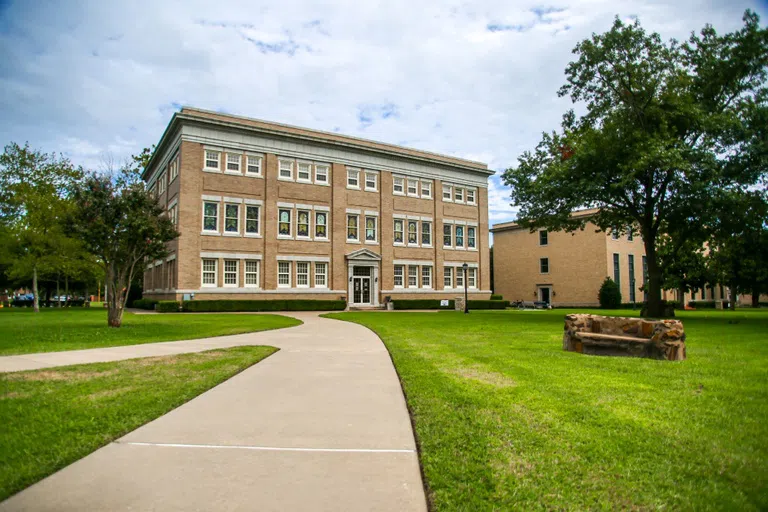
pixel 35 190
pixel 666 129
pixel 684 265
pixel 609 294
pixel 124 228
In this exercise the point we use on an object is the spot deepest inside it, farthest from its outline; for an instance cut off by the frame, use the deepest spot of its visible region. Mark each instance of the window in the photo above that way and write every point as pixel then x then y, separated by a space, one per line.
pixel 447 235
pixel 212 160
pixel 304 172
pixel 398 185
pixel 471 278
pixel 352 233
pixel 302 274
pixel 233 163
pixel 458 195
pixel 616 269
pixel 470 196
pixel 447 193
pixel 413 235
pixel 459 236
pixel 173 214
pixel 284 274
pixel 426 233
pixel 630 236
pixel 398 231
pixel 370 229
pixel 413 187
pixel 173 169
pixel 543 237
pixel 209 272
pixel 161 184
pixel 448 277
pixel 302 223
pixel 426 189
pixel 321 173
pixel 645 279
pixel 413 276
pixel 459 277
pixel 210 216
pixel 321 225
pixel 321 280
pixel 426 276
pixel 398 276
pixel 614 234
pixel 286 169
pixel 371 181
pixel 544 265
pixel 252 220
pixel 470 237
pixel 230 273
pixel 631 262
pixel 231 218
pixel 253 165
pixel 171 274
pixel 353 178
pixel 284 222
pixel 251 273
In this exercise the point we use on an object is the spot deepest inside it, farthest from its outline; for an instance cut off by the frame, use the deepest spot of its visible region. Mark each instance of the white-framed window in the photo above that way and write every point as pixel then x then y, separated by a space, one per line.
pixel 173 214
pixel 371 181
pixel 353 178
pixel 447 193
pixel 543 237
pixel 413 232
pixel 470 237
pixel 398 185
pixel 161 183
pixel 321 173
pixel 252 219
pixel 544 265
pixel 426 232
pixel 458 194
pixel 447 277
pixel 470 196
pixel 251 273
pixel 231 218
pixel 302 224
pixel 352 227
pixel 321 275
pixel 173 169
pixel 302 274
pixel 233 162
pixel 426 276
pixel 459 236
pixel 426 189
pixel 399 231
pixel 370 228
pixel 413 276
pixel 284 274
pixel 614 234
pixel 210 216
pixel 230 273
pixel 413 187
pixel 447 235
pixel 471 278
pixel 253 165
pixel 284 222
pixel 321 225
pixel 304 172
pixel 285 169
pixel 210 268
pixel 212 160
pixel 398 274
pixel 459 277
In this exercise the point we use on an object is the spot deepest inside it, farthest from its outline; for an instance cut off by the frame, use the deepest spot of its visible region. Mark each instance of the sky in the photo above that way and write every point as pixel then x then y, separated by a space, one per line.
pixel 99 80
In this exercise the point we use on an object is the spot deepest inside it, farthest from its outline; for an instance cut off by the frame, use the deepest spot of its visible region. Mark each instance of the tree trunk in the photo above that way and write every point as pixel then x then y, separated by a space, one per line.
pixel 66 291
pixel 681 293
pixel 732 297
pixel 58 293
pixel 36 300
pixel 654 308
pixel 115 296
pixel 755 297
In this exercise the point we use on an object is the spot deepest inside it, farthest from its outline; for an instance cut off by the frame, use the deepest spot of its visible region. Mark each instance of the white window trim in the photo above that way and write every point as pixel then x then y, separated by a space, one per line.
pixel 290 273
pixel 327 181
pixel 280 162
pixel 237 274
pixel 450 190
pixel 475 271
pixel 289 236
pixel 218 216
pixel 463 195
pixel 355 171
pixel 402 276
pixel 346 228
pixel 259 174
pixel 405 234
pixel 375 175
pixel 451 269
pixel 394 181
pixel 408 276
pixel 430 184
pixel 245 274
pixel 324 274
pixel 215 273
pixel 431 233
pixel 239 163
pixel 299 163
pixel 473 202
pixel 408 187
pixel 431 277
pixel 205 160
pixel 309 274
pixel 314 224
pixel 257 234
pixel 309 223
pixel 547 272
pixel 466 231
pixel 375 241
pixel 231 233
pixel 540 232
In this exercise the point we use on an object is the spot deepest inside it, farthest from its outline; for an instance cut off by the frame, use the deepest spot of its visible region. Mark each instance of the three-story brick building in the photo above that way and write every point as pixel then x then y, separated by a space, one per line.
pixel 270 211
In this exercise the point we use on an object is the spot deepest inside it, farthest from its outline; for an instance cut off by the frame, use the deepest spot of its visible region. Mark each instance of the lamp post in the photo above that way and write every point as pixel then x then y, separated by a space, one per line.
pixel 466 303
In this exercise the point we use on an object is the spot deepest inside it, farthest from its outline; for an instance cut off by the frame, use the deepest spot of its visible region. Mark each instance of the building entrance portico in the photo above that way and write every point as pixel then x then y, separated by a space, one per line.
pixel 363 273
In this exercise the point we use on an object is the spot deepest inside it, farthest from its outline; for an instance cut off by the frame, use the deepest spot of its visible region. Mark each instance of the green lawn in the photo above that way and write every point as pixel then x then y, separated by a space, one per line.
pixel 506 420
pixel 52 330
pixel 53 417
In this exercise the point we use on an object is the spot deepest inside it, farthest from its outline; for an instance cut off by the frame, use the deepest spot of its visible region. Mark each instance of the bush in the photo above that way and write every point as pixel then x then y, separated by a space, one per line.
pixel 488 304
pixel 205 306
pixel 497 297
pixel 610 294
pixel 422 304
pixel 145 304
pixel 168 306
pixel 701 304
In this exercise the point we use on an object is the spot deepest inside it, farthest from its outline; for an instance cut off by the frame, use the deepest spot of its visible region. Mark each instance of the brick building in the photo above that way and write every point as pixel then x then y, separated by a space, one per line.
pixel 270 211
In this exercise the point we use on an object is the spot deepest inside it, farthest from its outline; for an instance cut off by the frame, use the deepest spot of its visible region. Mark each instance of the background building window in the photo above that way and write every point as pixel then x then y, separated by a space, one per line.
pixel 286 169
pixel 413 276
pixel 397 185
pixel 448 277
pixel 321 174
pixel 284 222
pixel 305 171
pixel 284 274
pixel 413 234
pixel 459 277
pixel 370 181
pixel 616 269
pixel 458 195
pixel 321 275
pixel 459 236
pixel 447 193
pixel 252 220
pixel 471 278
pixel 321 225
pixel 252 273
pixel 426 189
pixel 447 235
pixel 544 265
pixel 398 231
pixel 470 197
pixel 302 274
pixel 370 229
pixel 253 164
pixel 211 216
pixel 231 218
pixel 233 163
pixel 398 276
pixel 543 237
pixel 413 187
pixel 353 178
pixel 302 223
pixel 230 272
pixel 212 160
pixel 631 262
pixel 352 223
pixel 426 233
pixel 209 272
pixel 471 237
pixel 426 276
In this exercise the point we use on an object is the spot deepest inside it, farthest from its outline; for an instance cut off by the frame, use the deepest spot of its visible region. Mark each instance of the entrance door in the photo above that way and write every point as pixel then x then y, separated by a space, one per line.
pixel 544 294
pixel 361 285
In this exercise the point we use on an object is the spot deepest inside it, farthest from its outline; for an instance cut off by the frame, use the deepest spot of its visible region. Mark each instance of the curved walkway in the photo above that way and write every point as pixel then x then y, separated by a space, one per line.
pixel 320 425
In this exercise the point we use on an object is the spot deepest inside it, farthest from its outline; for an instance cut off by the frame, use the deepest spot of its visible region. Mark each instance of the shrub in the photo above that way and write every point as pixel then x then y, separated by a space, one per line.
pixel 497 297
pixel 488 304
pixel 201 306
pixel 701 304
pixel 610 294
pixel 422 304
pixel 168 306
pixel 144 304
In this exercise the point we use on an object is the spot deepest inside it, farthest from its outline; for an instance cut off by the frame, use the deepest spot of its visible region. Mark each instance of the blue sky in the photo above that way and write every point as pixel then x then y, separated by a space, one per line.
pixel 100 80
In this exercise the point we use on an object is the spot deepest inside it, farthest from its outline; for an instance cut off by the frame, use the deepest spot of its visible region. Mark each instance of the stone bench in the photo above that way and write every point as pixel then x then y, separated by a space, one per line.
pixel 621 336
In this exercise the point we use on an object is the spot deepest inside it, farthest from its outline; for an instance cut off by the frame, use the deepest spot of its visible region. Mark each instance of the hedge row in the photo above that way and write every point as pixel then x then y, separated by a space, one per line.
pixel 488 304
pixel 497 297
pixel 77 303
pixel 168 306
pixel 144 304
pixel 702 304
pixel 204 306
pixel 435 304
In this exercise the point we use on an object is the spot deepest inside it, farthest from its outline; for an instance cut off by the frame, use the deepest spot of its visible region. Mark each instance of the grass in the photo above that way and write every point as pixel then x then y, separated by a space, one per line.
pixel 52 330
pixel 53 417
pixel 506 420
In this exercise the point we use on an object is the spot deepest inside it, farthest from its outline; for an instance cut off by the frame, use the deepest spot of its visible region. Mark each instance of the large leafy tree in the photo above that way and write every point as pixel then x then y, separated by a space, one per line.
pixel 666 129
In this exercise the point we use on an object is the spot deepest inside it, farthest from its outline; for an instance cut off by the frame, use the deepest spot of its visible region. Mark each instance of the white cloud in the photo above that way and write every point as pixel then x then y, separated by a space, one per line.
pixel 472 79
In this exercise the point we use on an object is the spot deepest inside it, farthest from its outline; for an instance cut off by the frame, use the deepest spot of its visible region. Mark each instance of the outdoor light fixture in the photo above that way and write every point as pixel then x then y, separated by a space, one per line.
pixel 466 303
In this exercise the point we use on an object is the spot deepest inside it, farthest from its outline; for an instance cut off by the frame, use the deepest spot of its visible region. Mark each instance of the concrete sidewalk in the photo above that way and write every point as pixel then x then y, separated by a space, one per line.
pixel 320 425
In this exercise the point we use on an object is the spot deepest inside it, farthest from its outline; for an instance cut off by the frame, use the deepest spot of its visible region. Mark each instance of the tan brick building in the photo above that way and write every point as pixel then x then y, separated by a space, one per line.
pixel 270 211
